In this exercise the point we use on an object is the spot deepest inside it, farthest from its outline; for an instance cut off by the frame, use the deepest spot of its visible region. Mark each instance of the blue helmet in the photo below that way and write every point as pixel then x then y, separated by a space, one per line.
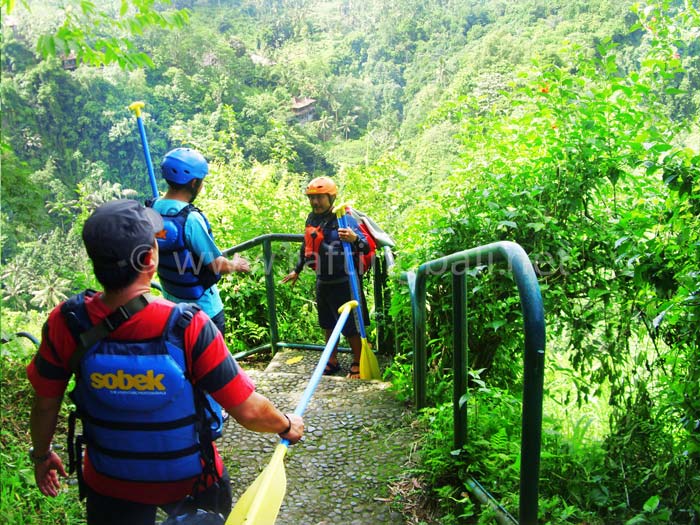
pixel 181 165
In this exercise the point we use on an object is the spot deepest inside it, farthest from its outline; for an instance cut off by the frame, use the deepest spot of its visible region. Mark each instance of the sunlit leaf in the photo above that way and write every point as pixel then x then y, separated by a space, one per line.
pixel 46 45
pixel 87 7
pixel 495 325
pixel 651 504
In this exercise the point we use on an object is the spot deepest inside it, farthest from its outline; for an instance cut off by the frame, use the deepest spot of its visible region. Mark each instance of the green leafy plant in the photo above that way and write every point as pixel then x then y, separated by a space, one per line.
pixel 89 33
pixel 21 501
pixel 570 128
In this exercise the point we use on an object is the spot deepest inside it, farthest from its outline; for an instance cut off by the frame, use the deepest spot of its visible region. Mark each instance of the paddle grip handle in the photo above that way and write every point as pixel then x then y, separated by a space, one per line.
pixel 136 108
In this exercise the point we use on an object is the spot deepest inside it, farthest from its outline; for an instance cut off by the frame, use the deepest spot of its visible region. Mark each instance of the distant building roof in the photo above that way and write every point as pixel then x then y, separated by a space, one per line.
pixel 70 61
pixel 299 103
pixel 303 109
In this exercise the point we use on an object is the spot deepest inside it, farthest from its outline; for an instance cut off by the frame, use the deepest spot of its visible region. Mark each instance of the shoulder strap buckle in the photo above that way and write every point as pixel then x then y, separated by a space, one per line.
pixel 108 325
pixel 125 311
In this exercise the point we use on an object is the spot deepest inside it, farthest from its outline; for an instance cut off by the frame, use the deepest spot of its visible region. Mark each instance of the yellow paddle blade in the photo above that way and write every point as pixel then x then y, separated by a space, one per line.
pixel 260 504
pixel 369 366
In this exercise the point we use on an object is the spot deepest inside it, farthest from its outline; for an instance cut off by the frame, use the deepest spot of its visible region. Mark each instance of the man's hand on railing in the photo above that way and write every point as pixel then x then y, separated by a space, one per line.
pixel 241 264
pixel 223 265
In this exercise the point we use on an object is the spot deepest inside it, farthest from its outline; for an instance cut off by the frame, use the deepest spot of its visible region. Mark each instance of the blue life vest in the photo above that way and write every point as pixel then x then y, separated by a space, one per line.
pixel 181 272
pixel 142 418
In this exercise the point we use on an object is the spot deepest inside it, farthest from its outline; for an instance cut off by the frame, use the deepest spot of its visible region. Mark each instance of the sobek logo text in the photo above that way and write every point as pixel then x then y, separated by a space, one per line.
pixel 123 381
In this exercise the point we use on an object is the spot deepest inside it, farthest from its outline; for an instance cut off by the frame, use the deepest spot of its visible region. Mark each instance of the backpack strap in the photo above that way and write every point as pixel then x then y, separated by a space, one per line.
pixel 183 313
pixel 181 317
pixel 75 314
pixel 110 323
pixel 190 208
pixel 183 212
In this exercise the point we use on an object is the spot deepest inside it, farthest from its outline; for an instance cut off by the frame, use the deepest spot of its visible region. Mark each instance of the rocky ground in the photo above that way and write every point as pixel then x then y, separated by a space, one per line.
pixel 353 465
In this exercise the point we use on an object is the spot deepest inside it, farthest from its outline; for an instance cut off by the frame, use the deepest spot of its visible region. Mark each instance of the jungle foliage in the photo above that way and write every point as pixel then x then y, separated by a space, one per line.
pixel 571 128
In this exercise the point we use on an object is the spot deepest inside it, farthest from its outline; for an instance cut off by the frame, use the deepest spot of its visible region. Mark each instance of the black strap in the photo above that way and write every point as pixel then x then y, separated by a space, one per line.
pixel 130 454
pixel 144 426
pixel 108 324
pixel 75 454
pixel 72 459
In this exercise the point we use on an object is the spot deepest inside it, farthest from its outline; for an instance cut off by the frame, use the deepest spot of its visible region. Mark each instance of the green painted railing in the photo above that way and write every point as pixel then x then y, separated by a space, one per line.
pixel 533 316
pixel 383 262
pixel 27 335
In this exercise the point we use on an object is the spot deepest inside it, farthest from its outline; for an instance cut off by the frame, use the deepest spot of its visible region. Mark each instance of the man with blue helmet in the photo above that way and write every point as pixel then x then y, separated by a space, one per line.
pixel 190 262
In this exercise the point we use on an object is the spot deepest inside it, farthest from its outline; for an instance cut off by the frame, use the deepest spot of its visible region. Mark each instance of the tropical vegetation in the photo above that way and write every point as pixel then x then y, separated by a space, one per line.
pixel 571 128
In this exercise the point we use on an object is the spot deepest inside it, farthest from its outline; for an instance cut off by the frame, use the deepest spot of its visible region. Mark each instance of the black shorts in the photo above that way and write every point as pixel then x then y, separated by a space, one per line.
pixel 330 297
pixel 103 510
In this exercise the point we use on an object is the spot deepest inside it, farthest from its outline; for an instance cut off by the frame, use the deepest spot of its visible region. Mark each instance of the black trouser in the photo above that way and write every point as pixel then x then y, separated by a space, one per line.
pixel 103 510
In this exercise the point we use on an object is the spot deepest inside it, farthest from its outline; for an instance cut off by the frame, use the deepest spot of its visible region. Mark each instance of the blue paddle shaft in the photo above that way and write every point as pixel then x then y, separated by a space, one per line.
pixel 147 154
pixel 352 274
pixel 318 371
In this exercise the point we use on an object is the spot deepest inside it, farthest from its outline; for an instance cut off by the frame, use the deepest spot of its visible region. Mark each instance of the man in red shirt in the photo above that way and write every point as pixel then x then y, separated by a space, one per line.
pixel 137 393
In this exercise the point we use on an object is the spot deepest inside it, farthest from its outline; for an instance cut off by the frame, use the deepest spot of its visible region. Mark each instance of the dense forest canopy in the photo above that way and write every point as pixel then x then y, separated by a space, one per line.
pixel 570 127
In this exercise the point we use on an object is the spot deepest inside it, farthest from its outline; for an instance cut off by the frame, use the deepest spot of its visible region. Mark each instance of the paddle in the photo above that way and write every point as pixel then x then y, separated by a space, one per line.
pixel 369 367
pixel 136 108
pixel 260 503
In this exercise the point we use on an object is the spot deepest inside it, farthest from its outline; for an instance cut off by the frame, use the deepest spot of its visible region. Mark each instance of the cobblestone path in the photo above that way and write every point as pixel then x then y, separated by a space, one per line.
pixel 358 440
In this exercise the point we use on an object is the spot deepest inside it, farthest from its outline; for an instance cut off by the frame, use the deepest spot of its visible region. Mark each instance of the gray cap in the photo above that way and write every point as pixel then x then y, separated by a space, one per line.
pixel 119 231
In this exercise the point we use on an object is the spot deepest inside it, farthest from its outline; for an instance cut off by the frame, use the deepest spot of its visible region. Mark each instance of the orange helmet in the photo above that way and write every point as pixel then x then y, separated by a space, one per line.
pixel 322 185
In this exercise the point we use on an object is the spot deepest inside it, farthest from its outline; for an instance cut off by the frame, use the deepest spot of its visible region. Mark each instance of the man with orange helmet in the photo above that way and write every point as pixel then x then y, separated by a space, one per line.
pixel 322 250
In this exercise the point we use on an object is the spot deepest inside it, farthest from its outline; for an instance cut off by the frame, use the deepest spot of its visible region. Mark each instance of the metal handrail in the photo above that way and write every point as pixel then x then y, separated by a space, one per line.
pixel 27 335
pixel 533 316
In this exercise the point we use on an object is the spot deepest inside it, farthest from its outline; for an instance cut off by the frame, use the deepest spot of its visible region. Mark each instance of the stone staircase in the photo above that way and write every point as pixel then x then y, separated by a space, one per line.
pixel 358 441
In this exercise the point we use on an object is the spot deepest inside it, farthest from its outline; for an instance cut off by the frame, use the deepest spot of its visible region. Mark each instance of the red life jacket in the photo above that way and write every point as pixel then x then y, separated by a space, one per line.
pixel 313 237
pixel 367 259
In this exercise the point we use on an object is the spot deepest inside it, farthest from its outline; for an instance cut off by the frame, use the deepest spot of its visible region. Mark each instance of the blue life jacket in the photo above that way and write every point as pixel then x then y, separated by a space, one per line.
pixel 142 418
pixel 181 272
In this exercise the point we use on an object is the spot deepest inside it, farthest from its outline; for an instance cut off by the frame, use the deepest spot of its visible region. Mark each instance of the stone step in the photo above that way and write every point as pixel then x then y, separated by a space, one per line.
pixel 358 440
